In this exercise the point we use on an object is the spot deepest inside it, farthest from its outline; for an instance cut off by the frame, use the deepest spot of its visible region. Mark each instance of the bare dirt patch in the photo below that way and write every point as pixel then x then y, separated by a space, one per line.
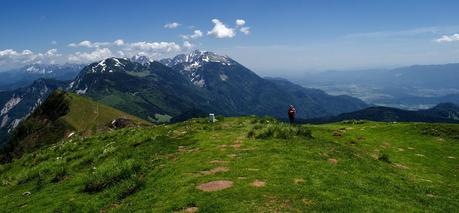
pixel 215 170
pixel 215 185
pixel 258 183
pixel 237 145
pixel 333 161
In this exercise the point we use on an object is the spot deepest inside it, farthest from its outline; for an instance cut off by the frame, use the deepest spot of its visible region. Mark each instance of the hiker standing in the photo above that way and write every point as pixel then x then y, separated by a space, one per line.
pixel 291 114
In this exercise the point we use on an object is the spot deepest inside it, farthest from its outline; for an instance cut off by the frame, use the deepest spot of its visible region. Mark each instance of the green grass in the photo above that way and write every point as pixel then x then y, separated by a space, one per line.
pixel 340 167
pixel 96 115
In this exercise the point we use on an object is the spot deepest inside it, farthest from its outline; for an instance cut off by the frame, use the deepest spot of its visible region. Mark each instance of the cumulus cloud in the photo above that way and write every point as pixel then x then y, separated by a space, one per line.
pixel 11 58
pixel 85 57
pixel 188 45
pixel 156 46
pixel 172 25
pixel 220 30
pixel 196 34
pixel 448 38
pixel 119 42
pixel 120 48
pixel 245 30
pixel 240 22
pixel 89 44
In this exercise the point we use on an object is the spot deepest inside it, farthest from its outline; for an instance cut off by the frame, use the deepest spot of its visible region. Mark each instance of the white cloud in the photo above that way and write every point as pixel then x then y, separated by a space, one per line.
pixel 240 22
pixel 196 34
pixel 446 38
pixel 245 30
pixel 11 58
pixel 86 57
pixel 156 46
pixel 172 25
pixel 53 42
pixel 119 42
pixel 220 30
pixel 188 45
pixel 89 44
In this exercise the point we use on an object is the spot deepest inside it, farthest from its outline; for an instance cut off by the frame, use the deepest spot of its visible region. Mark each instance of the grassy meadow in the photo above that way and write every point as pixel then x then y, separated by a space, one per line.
pixel 243 164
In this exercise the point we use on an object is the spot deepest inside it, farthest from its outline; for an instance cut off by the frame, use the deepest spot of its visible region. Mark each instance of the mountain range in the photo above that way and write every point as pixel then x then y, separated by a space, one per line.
pixel 197 83
pixel 176 89
pixel 24 76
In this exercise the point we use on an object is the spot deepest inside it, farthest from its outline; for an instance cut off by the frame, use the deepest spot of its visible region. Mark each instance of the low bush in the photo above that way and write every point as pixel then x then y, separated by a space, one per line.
pixel 279 131
pixel 441 130
pixel 110 174
pixel 353 122
pixel 384 157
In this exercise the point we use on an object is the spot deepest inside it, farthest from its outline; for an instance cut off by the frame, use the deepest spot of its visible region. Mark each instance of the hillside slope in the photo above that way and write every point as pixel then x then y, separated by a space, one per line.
pixel 242 165
pixel 60 116
pixel 18 104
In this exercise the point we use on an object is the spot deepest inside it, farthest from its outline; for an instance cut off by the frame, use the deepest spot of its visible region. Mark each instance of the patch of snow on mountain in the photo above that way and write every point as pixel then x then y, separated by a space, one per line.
pixel 200 83
pixel 82 91
pixel 141 59
pixel 5 120
pixel 14 124
pixel 10 105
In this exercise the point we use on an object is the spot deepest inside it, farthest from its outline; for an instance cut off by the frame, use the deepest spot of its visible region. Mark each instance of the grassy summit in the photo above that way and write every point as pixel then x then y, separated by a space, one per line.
pixel 244 164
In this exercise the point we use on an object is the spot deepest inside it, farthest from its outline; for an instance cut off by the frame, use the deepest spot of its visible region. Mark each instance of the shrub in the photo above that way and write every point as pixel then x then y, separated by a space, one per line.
pixel 441 130
pixel 110 174
pixel 279 131
pixel 353 122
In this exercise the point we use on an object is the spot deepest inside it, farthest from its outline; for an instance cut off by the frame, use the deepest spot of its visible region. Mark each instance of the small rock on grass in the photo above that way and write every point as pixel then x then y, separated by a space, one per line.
pixel 215 185
pixel 298 180
pixel 333 161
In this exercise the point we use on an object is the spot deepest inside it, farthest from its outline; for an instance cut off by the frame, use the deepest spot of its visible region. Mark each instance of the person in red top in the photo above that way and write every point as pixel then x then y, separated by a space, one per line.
pixel 291 114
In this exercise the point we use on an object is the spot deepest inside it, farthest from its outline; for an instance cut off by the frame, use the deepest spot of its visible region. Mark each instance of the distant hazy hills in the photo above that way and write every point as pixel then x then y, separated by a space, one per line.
pixel 413 87
pixel 444 113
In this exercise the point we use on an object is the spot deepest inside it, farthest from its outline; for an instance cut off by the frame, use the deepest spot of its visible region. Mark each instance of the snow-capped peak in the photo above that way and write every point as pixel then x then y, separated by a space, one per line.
pixel 107 65
pixel 196 59
pixel 141 59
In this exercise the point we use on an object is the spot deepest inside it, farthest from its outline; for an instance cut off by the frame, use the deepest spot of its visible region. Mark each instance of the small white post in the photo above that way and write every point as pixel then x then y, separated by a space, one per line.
pixel 212 118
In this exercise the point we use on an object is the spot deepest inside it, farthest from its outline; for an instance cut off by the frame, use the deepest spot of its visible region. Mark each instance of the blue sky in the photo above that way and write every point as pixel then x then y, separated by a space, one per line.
pixel 277 37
